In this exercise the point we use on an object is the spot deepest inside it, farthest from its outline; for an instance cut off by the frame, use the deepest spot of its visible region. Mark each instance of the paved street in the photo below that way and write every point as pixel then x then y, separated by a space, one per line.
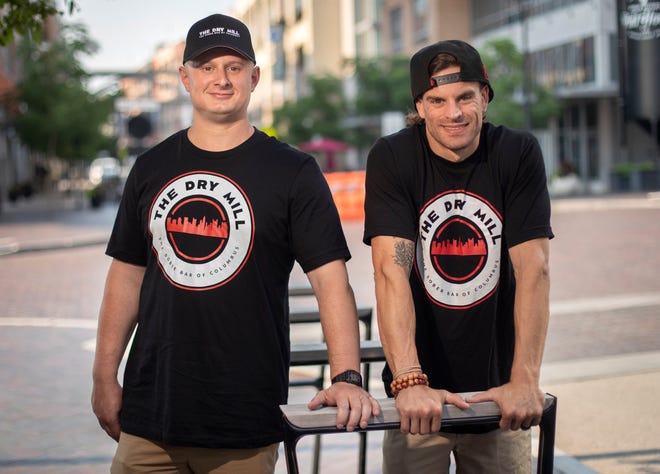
pixel 602 357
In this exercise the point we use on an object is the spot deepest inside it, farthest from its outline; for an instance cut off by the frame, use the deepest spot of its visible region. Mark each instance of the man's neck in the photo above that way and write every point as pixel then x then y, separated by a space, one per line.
pixel 219 137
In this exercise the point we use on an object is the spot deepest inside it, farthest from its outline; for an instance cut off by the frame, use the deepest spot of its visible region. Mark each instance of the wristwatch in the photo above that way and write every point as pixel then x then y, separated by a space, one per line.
pixel 349 376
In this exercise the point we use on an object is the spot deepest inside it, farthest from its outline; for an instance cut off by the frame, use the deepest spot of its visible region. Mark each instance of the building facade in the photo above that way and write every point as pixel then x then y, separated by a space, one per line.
pixel 577 48
pixel 573 47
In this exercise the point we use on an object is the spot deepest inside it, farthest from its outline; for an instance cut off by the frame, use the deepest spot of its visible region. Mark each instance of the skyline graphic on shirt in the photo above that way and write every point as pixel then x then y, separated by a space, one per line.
pixel 195 226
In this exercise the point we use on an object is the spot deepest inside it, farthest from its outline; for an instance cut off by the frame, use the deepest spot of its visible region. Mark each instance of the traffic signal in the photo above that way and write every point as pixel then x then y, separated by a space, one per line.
pixel 139 126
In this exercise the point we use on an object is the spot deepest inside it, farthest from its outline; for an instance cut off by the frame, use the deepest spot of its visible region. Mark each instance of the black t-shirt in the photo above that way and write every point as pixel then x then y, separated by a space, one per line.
pixel 218 233
pixel 463 218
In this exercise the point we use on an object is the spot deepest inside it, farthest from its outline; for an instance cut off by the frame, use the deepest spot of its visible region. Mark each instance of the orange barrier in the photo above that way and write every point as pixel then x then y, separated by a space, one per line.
pixel 348 192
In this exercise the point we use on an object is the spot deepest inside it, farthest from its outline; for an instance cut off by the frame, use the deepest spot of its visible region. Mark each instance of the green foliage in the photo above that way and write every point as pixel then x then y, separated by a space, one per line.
pixel 628 167
pixel 319 113
pixel 504 64
pixel 56 114
pixel 25 17
pixel 382 86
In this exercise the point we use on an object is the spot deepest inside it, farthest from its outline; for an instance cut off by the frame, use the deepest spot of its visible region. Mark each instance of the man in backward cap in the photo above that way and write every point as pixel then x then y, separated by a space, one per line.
pixel 458 218
pixel 206 235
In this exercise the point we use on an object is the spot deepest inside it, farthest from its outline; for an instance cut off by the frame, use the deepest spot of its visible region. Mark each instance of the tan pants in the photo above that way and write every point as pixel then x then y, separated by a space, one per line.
pixel 496 452
pixel 135 454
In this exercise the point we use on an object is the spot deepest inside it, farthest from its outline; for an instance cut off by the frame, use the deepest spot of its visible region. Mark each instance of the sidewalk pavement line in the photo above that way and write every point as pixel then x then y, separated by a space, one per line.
pixel 551 372
pixel 560 206
pixel 10 246
pixel 604 303
pixel 577 370
pixel 564 463
pixel 68 323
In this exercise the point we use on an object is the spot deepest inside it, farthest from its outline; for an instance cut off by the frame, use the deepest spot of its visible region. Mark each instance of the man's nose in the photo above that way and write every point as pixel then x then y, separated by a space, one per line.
pixel 222 78
pixel 454 110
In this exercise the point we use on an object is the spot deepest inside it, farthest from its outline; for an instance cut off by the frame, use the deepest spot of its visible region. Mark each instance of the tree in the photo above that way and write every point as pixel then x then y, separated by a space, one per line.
pixel 382 86
pixel 56 114
pixel 27 17
pixel 504 64
pixel 318 113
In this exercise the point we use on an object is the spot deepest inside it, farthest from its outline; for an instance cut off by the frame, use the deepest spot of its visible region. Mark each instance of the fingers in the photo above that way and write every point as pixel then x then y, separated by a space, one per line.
pixel 487 396
pixel 513 422
pixel 359 414
pixel 425 423
pixel 111 427
pixel 354 405
pixel 319 400
pixel 519 421
pixel 106 405
pixel 420 409
pixel 522 416
pixel 343 415
pixel 456 400
pixel 520 409
pixel 361 411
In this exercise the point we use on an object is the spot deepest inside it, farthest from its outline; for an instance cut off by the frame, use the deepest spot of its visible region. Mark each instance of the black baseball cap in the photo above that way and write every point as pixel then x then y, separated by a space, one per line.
pixel 218 31
pixel 472 68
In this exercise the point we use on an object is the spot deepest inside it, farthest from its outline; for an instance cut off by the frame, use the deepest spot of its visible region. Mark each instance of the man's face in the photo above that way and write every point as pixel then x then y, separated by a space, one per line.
pixel 454 115
pixel 220 83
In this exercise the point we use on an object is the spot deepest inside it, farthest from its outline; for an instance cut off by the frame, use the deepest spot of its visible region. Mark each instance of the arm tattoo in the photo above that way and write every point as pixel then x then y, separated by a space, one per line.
pixel 403 254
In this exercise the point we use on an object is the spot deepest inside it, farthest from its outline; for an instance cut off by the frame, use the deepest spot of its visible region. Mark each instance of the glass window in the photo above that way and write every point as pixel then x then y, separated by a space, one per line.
pixel 420 20
pixel 565 65
pixel 396 33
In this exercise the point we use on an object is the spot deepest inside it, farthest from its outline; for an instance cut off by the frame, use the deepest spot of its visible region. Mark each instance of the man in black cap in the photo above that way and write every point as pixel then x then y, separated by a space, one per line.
pixel 457 214
pixel 207 232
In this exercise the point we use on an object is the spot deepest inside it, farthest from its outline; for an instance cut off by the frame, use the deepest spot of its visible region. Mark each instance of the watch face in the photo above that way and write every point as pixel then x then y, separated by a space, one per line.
pixel 350 376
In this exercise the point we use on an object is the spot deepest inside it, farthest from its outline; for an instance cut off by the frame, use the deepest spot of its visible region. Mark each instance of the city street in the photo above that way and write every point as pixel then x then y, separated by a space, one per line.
pixel 602 358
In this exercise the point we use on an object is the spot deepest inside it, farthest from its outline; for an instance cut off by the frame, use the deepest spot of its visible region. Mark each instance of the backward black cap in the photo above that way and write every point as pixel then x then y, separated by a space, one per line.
pixel 472 68
pixel 218 31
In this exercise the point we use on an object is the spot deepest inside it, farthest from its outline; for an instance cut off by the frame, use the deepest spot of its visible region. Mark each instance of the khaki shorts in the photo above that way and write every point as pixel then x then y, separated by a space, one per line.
pixel 499 451
pixel 135 454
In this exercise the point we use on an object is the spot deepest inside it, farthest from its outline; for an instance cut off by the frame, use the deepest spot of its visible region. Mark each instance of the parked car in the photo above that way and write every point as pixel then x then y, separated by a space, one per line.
pixel 105 177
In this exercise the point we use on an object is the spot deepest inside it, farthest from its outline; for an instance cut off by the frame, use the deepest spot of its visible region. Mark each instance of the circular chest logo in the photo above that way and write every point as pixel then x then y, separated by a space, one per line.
pixel 458 249
pixel 202 228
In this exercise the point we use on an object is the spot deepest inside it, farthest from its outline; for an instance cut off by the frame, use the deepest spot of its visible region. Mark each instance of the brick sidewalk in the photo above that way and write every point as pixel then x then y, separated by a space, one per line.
pixel 605 264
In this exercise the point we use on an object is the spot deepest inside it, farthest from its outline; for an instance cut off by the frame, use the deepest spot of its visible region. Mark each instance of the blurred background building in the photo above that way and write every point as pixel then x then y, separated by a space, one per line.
pixel 600 57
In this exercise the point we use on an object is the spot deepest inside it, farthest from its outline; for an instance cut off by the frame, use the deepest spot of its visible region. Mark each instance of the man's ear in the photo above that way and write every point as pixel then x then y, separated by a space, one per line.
pixel 256 75
pixel 485 95
pixel 418 106
pixel 183 75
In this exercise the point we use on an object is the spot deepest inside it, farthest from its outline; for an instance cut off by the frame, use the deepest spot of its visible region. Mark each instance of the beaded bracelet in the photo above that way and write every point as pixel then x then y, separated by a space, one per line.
pixel 406 370
pixel 408 380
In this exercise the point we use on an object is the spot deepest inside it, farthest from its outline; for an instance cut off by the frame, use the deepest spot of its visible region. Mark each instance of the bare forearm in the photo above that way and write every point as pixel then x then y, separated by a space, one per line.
pixel 531 311
pixel 531 321
pixel 117 319
pixel 396 316
pixel 338 316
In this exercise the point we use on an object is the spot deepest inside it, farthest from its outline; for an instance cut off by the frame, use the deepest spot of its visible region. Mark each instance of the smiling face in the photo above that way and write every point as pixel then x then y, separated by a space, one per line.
pixel 454 115
pixel 220 83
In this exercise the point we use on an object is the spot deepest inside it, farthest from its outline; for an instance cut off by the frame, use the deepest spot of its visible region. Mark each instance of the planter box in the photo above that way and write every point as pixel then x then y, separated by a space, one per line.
pixel 636 180
pixel 620 182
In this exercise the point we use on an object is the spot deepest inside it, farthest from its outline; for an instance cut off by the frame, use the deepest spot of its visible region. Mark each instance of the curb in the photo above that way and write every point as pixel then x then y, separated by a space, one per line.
pixel 9 246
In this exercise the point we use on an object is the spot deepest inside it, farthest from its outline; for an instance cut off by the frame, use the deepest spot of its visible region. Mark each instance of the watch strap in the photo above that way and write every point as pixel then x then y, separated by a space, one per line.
pixel 349 376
